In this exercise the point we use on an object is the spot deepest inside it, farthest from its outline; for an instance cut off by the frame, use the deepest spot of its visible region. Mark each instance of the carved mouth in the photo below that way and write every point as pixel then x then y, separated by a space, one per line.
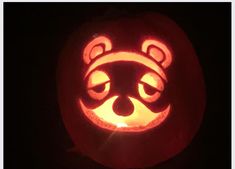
pixel 141 119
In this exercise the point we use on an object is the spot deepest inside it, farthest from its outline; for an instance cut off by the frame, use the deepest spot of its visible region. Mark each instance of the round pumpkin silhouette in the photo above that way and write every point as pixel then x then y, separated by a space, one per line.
pixel 131 90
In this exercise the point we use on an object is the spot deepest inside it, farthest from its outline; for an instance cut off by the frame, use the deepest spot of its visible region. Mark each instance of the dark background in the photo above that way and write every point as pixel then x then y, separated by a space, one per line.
pixel 34 34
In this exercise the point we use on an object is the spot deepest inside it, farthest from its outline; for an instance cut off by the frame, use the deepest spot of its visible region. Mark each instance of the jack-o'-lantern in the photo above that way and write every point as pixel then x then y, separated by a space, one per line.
pixel 131 91
pixel 125 111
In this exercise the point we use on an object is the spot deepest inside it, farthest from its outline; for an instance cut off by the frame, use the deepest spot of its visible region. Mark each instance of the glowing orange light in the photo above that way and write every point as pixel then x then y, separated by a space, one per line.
pixel 141 119
pixel 155 54
pixel 95 79
pixel 97 50
pixel 96 47
pixel 127 57
pixel 152 80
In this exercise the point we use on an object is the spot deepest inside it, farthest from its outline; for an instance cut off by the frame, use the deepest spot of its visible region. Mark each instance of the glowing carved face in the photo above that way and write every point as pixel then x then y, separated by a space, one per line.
pixel 125 104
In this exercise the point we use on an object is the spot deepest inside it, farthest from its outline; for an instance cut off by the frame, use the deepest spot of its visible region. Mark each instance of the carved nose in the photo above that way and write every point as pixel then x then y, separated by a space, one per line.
pixel 123 106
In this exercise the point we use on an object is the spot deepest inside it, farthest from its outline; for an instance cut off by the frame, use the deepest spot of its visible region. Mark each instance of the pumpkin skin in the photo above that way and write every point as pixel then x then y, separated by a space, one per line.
pixel 139 145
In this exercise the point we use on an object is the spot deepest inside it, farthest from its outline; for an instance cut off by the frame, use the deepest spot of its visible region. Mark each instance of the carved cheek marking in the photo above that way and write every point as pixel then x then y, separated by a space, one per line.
pixel 142 118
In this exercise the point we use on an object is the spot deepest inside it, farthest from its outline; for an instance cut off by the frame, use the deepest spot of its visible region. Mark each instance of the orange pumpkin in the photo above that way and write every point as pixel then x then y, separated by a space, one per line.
pixel 131 91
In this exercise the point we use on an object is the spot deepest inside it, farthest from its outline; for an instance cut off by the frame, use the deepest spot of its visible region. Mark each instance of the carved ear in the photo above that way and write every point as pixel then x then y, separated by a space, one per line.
pixel 158 51
pixel 95 48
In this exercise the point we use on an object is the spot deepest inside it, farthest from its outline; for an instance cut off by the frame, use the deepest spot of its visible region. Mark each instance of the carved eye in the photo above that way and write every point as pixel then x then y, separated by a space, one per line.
pixel 150 87
pixel 98 85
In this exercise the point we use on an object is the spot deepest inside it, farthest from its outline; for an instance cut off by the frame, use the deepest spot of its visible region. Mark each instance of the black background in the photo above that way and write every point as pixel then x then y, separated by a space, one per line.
pixel 34 34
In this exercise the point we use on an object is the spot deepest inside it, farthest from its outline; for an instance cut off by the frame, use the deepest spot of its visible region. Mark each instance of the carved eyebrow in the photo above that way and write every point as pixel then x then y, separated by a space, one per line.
pixel 96 78
pixel 127 57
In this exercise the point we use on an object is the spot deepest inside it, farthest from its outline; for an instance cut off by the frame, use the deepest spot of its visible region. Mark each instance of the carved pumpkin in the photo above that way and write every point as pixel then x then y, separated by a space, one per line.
pixel 131 91
pixel 123 112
